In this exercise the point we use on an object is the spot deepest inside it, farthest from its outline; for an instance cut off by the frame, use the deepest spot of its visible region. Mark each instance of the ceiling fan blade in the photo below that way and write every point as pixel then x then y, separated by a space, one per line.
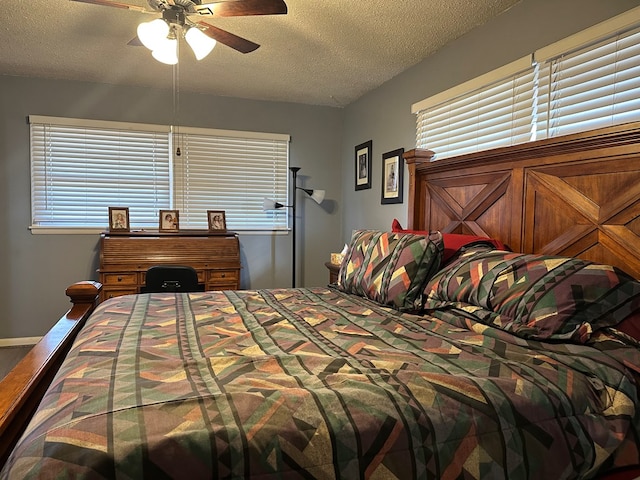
pixel 110 3
pixel 229 39
pixel 242 8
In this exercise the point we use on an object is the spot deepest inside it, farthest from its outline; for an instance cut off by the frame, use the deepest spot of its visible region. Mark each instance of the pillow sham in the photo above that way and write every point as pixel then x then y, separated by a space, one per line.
pixel 452 242
pixel 539 297
pixel 390 268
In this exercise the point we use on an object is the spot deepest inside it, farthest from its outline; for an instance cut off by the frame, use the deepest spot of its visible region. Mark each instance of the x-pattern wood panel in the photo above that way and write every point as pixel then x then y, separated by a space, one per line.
pixel 562 220
pixel 479 214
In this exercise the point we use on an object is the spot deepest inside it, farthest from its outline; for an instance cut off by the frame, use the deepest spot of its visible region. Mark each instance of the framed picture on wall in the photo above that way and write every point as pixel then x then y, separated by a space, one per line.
pixel 169 221
pixel 217 221
pixel 392 176
pixel 118 219
pixel 363 165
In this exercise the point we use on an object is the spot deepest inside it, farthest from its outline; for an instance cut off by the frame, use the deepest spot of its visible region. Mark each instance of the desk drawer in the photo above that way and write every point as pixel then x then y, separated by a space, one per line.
pixel 223 276
pixel 111 279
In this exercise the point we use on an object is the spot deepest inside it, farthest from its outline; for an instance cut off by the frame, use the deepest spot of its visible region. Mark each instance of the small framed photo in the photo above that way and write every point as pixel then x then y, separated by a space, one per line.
pixel 363 165
pixel 392 176
pixel 119 219
pixel 217 220
pixel 169 221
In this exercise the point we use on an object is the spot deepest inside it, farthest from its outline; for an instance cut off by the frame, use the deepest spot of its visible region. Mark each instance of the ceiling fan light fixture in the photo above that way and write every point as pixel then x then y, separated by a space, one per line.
pixel 200 43
pixel 166 51
pixel 153 33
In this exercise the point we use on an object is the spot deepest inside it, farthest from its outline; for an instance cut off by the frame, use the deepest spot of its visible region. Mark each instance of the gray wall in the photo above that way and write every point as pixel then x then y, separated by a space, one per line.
pixel 36 269
pixel 384 115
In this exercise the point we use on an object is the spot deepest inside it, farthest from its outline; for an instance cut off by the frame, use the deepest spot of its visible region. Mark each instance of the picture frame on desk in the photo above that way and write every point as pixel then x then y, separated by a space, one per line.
pixel 118 219
pixel 169 221
pixel 217 220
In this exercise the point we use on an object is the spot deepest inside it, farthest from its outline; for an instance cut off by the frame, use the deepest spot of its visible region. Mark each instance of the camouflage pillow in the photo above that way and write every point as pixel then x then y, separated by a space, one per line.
pixel 390 268
pixel 537 296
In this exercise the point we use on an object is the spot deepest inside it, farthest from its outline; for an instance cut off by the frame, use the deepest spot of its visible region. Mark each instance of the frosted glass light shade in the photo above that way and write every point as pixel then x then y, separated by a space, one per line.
pixel 167 51
pixel 152 33
pixel 200 43
pixel 270 204
pixel 318 196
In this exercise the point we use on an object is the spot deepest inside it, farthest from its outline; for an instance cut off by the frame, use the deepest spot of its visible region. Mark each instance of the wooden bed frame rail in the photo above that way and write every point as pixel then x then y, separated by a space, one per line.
pixel 24 386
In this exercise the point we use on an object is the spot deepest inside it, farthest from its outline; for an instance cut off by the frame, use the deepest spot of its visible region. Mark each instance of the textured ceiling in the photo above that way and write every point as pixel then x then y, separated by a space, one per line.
pixel 324 52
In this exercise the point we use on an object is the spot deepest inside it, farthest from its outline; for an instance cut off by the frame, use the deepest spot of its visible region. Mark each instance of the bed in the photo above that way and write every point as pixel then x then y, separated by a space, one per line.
pixel 514 354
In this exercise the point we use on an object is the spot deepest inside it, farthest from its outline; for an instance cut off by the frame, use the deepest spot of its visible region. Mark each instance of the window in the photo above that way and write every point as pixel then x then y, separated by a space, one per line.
pixel 590 87
pixel 80 167
pixel 586 81
pixel 231 172
pixel 497 113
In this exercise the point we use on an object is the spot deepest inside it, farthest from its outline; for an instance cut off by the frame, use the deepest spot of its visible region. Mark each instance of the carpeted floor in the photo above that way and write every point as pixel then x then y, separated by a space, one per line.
pixel 10 356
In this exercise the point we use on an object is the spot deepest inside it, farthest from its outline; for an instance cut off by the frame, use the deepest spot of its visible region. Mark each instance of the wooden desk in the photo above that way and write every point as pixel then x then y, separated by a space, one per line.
pixel 125 258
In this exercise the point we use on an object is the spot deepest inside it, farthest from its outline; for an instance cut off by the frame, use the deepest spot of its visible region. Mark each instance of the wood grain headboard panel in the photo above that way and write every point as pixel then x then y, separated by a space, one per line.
pixel 576 195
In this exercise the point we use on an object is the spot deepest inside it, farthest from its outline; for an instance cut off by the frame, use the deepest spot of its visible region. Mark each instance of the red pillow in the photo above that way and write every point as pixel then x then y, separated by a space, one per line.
pixel 630 325
pixel 452 241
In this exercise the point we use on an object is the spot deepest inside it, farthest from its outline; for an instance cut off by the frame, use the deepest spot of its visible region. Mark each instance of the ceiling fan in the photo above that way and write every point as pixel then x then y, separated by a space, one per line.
pixel 178 16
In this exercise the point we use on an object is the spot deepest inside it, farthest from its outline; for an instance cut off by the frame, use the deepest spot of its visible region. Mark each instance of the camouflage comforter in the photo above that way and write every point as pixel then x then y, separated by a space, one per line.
pixel 315 383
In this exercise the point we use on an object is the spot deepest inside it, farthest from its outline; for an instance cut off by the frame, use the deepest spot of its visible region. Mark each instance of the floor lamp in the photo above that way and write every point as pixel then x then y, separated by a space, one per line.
pixel 269 204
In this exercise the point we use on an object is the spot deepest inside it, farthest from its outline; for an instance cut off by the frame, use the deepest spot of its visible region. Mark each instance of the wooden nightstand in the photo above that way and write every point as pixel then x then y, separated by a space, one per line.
pixel 333 271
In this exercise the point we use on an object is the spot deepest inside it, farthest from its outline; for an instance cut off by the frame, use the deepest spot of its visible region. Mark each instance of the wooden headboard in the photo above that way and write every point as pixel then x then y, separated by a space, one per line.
pixel 576 195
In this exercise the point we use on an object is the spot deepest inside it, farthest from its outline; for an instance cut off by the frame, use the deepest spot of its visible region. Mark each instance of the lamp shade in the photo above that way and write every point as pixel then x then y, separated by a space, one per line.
pixel 152 33
pixel 269 204
pixel 166 51
pixel 200 43
pixel 318 196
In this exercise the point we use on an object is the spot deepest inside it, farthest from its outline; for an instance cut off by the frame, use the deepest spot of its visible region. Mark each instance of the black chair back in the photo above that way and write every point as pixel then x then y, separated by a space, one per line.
pixel 171 278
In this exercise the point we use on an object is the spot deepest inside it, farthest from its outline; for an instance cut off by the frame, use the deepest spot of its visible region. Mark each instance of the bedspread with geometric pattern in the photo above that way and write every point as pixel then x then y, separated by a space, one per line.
pixel 315 383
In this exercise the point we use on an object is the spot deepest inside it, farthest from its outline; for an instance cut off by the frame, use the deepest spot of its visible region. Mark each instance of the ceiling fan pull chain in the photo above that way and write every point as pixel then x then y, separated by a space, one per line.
pixel 176 104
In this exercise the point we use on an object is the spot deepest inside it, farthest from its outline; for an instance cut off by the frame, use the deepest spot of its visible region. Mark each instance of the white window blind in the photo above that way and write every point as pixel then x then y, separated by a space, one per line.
pixel 79 168
pixel 223 170
pixel 586 81
pixel 493 115
pixel 592 87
